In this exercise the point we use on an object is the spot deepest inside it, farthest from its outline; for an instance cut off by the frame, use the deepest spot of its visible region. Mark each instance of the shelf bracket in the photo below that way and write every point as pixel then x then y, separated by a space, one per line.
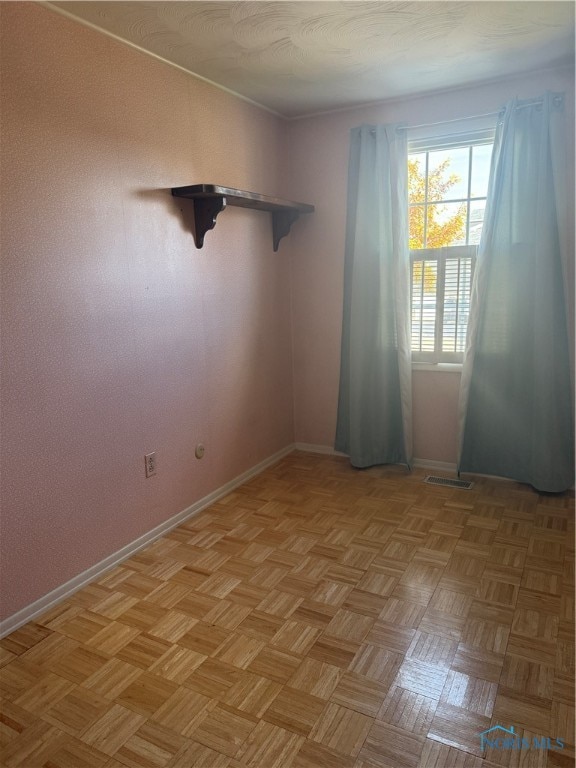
pixel 206 209
pixel 281 223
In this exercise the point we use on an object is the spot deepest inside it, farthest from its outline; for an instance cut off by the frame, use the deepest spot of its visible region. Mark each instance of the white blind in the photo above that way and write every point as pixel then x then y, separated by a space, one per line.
pixel 441 285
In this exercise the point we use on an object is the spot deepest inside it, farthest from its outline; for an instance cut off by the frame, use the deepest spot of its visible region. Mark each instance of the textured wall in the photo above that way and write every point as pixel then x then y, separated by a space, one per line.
pixel 318 162
pixel 119 337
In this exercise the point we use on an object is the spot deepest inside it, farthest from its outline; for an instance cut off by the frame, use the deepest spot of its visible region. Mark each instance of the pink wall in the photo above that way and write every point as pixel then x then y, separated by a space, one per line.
pixel 435 415
pixel 317 164
pixel 120 338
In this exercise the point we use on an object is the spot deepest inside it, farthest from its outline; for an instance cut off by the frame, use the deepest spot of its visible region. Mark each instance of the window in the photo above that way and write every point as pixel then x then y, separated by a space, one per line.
pixel 448 184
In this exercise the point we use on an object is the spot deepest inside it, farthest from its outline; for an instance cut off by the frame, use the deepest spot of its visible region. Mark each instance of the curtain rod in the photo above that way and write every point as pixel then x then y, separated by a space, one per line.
pixel 558 99
pixel 445 122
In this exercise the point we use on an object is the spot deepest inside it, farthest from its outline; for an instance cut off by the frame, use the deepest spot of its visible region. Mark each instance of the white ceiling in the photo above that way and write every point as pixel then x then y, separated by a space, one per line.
pixel 297 57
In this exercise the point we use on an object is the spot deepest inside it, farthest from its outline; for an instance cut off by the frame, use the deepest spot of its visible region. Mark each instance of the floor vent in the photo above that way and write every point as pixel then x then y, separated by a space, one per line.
pixel 463 484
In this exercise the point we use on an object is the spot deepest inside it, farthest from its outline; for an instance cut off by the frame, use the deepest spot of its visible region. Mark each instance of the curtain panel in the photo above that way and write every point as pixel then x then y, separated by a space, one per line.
pixel 375 397
pixel 516 414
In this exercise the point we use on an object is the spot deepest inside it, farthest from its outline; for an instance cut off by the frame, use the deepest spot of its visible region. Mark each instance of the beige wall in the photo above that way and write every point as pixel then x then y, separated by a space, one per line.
pixel 119 336
pixel 317 167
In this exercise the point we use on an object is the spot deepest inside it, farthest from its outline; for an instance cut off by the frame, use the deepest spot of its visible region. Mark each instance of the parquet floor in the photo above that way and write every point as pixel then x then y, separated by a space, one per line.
pixel 317 617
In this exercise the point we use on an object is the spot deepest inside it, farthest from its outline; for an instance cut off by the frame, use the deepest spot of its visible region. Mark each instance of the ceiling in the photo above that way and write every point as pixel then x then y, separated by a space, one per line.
pixel 297 57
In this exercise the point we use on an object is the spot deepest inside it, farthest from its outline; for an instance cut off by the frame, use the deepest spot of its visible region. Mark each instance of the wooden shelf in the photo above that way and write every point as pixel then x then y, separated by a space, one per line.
pixel 210 200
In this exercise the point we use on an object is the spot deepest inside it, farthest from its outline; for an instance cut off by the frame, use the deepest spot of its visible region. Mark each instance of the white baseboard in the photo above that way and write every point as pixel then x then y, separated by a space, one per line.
pixel 46 602
pixel 327 450
pixel 442 466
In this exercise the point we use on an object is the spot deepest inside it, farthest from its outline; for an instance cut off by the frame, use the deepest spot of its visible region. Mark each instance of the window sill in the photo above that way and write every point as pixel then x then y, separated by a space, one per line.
pixel 438 367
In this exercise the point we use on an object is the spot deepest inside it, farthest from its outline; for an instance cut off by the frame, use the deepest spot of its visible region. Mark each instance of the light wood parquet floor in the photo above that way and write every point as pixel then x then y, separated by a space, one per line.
pixel 317 617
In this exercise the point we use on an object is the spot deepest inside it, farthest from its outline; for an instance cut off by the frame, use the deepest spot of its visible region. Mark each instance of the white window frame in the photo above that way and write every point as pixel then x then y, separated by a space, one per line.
pixel 474 137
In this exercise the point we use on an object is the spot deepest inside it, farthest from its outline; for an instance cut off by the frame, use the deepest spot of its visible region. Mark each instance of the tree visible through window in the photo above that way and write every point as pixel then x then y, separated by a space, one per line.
pixel 430 225
pixel 447 197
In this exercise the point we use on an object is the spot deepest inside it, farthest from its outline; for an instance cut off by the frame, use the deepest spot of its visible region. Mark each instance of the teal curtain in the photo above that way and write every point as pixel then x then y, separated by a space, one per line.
pixel 516 407
pixel 375 398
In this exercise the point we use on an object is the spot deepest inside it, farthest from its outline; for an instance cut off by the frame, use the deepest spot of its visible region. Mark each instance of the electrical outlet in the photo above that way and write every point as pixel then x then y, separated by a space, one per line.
pixel 150 463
